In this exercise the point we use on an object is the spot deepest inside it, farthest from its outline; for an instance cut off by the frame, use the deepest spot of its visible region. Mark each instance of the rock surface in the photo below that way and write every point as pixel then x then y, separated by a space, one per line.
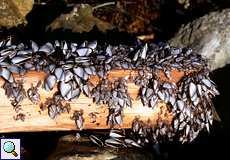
pixel 80 20
pixel 24 6
pixel 25 154
pixel 209 35
pixel 13 12
pixel 69 147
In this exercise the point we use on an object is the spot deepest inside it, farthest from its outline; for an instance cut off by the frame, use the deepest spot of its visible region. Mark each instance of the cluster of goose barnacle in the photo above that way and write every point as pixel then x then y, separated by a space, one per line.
pixel 71 65
pixel 192 112
pixel 115 139
pixel 16 91
pixel 142 135
pixel 115 95
pixel 189 101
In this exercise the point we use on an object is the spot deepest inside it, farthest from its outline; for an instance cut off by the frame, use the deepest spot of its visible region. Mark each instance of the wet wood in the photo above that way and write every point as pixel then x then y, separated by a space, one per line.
pixel 37 120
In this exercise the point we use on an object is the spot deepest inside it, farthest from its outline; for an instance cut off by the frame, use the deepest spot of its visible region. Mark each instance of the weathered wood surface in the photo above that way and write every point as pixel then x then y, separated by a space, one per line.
pixel 37 120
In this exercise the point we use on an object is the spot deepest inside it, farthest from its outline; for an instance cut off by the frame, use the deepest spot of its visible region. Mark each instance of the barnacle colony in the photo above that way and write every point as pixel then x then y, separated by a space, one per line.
pixel 73 65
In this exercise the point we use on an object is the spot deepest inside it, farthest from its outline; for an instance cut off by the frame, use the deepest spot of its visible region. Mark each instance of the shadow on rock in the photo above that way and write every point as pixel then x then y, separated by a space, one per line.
pixel 221 77
pixel 113 37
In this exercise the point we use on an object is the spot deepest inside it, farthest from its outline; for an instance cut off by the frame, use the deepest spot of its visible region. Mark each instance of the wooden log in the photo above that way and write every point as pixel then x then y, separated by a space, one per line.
pixel 37 120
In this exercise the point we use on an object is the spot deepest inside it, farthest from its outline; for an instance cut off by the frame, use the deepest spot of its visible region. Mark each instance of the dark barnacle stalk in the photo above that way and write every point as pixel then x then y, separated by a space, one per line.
pixel 79 120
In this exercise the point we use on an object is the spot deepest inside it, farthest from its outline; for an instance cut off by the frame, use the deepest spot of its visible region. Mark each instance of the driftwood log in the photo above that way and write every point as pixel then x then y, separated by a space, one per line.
pixel 37 120
pixel 183 107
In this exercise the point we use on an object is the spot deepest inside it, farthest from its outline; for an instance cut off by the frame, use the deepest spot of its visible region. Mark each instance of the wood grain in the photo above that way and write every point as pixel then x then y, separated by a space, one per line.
pixel 37 120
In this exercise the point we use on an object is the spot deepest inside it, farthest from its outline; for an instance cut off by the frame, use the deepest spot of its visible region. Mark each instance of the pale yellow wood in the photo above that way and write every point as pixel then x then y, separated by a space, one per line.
pixel 37 120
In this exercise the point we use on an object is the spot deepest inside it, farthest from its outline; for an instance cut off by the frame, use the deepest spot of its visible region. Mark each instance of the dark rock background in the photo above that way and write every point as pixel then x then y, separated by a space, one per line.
pixel 163 18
